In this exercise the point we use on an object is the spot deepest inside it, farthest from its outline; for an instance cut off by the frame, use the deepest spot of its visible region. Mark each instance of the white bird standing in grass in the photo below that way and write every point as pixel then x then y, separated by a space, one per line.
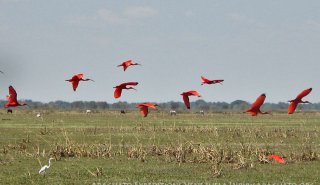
pixel 45 167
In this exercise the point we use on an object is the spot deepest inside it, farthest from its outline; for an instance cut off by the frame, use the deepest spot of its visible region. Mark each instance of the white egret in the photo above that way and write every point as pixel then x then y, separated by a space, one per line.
pixel 45 167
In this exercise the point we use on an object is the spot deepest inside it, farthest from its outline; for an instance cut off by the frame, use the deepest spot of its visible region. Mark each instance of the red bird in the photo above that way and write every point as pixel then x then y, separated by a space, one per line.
pixel 186 95
pixel 76 79
pixel 144 108
pixel 117 92
pixel 207 81
pixel 277 158
pixel 255 107
pixel 126 64
pixel 293 103
pixel 12 99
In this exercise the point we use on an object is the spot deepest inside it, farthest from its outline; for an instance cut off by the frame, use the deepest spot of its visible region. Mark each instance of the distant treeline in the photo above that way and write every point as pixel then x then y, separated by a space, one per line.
pixel 234 106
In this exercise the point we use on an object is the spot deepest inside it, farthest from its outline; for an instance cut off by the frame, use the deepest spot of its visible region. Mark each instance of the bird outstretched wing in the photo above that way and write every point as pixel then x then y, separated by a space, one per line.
pixel 125 68
pixel 195 93
pixel 117 93
pixel 151 105
pixel 186 101
pixel 12 95
pixel 259 101
pixel 303 93
pixel 204 79
pixel 144 110
pixel 75 84
pixel 292 107
pixel 129 83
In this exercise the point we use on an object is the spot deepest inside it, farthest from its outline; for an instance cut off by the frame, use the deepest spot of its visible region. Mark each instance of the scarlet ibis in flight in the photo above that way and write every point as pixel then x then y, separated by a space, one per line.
pixel 186 95
pixel 12 99
pixel 277 158
pixel 294 103
pixel 126 64
pixel 76 79
pixel 255 107
pixel 207 81
pixel 144 108
pixel 117 92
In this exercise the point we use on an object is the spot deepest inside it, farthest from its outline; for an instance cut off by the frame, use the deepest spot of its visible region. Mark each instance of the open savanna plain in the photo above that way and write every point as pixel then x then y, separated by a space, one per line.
pixel 107 147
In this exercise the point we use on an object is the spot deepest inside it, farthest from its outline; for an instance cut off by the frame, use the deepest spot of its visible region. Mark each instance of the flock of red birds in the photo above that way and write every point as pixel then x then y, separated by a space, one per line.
pixel 253 110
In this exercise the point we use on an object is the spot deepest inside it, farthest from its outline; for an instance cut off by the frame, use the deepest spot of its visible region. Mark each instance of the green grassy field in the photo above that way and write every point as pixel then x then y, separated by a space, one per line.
pixel 187 148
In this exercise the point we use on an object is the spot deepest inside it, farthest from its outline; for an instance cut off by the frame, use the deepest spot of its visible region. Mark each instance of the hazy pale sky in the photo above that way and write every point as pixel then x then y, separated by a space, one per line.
pixel 257 46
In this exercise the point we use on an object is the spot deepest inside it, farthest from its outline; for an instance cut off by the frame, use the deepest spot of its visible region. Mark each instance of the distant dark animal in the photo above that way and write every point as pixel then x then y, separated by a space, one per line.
pixel 202 112
pixel 122 112
pixel 9 111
